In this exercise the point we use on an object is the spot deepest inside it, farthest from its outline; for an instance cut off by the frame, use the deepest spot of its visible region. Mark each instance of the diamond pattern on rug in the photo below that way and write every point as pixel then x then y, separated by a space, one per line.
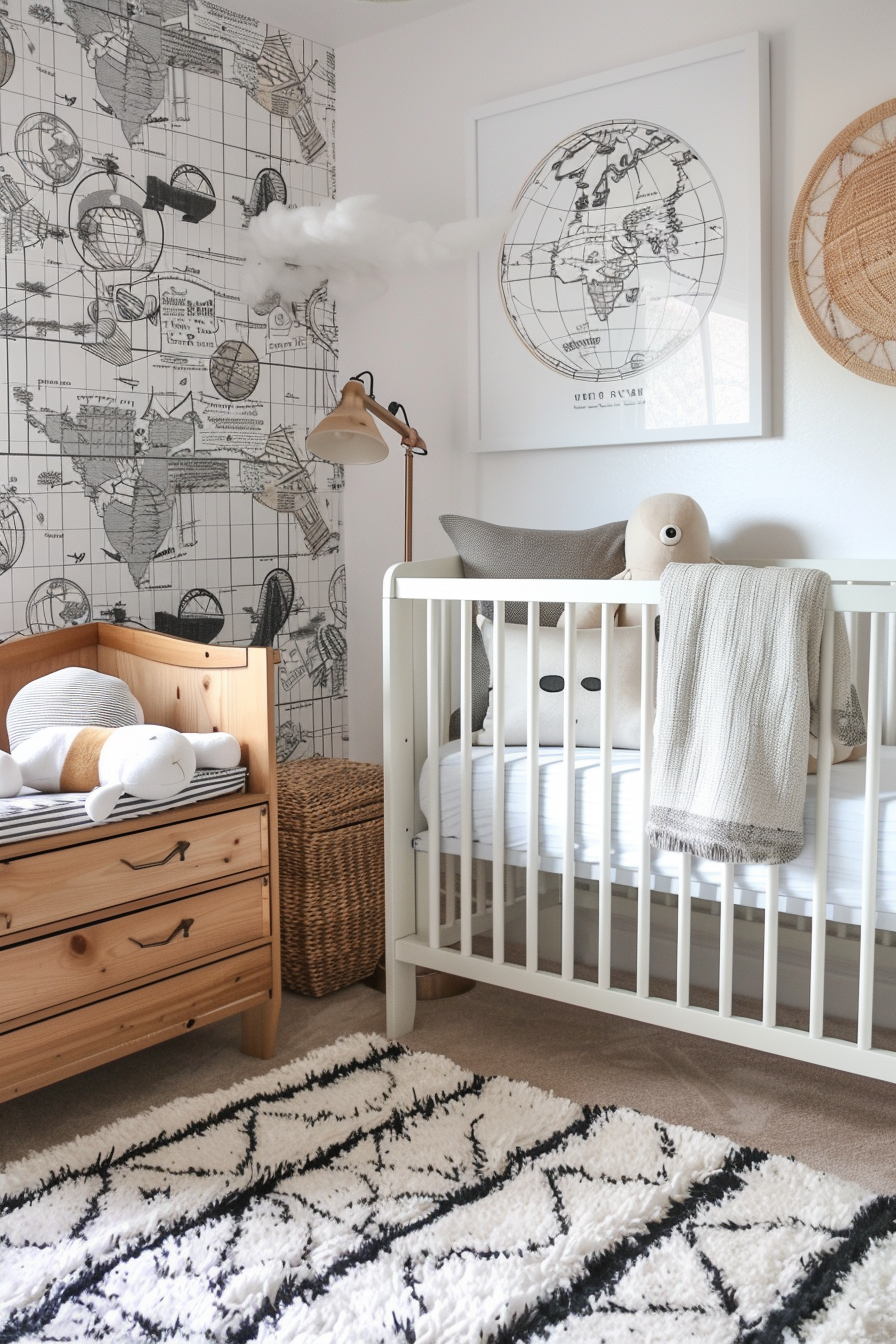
pixel 371 1195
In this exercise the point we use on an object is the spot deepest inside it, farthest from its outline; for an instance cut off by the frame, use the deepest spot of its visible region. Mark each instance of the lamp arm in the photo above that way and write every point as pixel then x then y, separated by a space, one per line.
pixel 409 437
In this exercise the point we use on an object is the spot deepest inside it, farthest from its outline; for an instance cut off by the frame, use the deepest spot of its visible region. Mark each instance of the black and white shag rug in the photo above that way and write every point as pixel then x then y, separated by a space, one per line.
pixel 368 1194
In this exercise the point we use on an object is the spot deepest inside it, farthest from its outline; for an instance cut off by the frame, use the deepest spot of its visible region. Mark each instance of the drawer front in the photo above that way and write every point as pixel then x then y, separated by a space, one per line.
pixel 59 1046
pixel 49 972
pixel 70 883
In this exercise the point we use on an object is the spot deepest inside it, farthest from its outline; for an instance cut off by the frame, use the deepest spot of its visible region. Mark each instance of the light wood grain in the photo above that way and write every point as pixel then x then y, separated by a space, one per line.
pixel 206 699
pixel 228 802
pixel 260 1023
pixel 59 1046
pixel 49 886
pixel 47 972
pixel 46 887
pixel 168 649
pixel 128 908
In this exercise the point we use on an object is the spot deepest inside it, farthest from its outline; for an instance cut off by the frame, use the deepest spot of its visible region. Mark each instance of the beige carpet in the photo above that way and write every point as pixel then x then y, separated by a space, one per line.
pixel 830 1120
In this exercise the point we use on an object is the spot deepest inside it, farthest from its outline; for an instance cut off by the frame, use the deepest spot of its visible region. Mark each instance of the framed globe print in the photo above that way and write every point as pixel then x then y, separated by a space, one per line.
pixel 626 300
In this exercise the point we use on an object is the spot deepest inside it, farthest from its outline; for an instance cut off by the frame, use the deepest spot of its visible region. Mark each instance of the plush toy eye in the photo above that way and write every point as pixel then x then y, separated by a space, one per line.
pixel 591 683
pixel 551 683
pixel 670 535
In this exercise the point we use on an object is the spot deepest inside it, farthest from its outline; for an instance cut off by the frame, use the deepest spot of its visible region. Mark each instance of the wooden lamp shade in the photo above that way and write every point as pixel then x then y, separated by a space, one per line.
pixel 349 436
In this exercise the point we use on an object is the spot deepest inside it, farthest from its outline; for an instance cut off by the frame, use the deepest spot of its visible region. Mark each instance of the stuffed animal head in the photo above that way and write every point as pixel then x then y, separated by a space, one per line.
pixel 148 761
pixel 665 529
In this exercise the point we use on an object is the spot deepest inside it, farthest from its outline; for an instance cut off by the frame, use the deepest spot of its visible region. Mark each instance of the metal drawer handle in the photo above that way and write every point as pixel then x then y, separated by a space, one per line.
pixel 180 848
pixel 184 926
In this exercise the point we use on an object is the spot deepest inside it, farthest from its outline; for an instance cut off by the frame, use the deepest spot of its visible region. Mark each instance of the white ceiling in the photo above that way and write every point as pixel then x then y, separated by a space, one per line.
pixel 336 22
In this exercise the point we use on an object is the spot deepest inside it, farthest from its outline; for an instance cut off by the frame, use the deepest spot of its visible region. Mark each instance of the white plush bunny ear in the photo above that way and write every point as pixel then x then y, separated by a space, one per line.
pixel 10 776
pixel 100 803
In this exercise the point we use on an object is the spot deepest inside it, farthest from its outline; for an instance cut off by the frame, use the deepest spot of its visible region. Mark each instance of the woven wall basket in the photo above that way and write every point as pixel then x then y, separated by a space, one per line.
pixel 843 247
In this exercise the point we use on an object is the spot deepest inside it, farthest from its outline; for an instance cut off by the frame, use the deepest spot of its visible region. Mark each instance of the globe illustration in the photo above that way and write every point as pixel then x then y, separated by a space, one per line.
pixel 56 604
pixel 234 370
pixel 615 251
pixel 7 56
pixel 48 149
pixel 337 596
pixel 113 235
pixel 12 535
pixel 110 229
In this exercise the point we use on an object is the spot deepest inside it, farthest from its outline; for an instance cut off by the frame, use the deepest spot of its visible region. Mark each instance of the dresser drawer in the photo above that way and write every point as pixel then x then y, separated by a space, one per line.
pixel 67 884
pixel 35 1055
pixel 47 972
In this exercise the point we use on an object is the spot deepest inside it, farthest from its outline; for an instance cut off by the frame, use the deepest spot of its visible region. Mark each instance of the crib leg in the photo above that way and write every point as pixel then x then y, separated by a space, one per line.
pixel 401 997
pixel 400 813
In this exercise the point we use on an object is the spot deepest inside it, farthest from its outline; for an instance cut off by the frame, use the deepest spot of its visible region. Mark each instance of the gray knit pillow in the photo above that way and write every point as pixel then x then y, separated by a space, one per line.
pixel 73 697
pixel 488 551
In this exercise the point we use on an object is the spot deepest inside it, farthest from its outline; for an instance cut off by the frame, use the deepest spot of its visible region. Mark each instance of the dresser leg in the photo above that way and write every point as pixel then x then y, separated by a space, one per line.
pixel 260 1029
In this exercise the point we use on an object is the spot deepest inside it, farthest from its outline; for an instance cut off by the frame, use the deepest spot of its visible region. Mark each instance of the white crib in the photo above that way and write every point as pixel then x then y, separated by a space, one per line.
pixel 432 922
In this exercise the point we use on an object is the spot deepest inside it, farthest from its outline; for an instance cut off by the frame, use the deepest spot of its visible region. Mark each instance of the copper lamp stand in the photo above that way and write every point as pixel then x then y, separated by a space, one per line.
pixel 348 435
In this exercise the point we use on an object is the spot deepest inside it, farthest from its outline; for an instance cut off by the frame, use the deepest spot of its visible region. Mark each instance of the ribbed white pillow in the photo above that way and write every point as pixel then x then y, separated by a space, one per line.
pixel 73 697
pixel 626 683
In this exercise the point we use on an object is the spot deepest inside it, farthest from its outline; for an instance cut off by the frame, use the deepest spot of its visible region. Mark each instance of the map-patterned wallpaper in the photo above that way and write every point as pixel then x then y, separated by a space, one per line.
pixel 153 469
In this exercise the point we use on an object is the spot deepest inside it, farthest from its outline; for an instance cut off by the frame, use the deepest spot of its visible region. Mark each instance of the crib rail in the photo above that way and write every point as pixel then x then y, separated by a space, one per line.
pixel 454 904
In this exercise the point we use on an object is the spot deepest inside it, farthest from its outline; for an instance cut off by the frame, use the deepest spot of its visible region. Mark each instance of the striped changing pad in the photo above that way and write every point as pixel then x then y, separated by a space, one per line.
pixel 34 815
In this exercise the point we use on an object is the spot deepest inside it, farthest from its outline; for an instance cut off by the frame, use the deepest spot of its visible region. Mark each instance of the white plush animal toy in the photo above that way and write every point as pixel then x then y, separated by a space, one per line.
pixel 663 530
pixel 144 760
pixel 80 731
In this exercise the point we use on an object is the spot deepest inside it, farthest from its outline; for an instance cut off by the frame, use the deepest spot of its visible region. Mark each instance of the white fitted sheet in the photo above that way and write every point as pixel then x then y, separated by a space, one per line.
pixel 796 878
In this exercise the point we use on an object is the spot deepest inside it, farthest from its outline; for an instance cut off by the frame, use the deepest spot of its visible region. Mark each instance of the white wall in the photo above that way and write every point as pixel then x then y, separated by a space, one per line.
pixel 823 482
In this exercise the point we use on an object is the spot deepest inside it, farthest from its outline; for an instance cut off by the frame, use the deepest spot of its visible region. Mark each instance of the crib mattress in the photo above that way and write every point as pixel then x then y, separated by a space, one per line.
pixel 796 878
pixel 34 815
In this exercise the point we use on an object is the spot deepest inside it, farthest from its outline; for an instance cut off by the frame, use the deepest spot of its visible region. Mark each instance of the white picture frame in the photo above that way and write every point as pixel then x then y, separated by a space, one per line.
pixel 628 299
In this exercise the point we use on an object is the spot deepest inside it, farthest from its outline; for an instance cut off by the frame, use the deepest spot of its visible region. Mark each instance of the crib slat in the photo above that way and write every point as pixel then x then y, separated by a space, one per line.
pixel 498 702
pixel 890 735
pixel 605 894
pixel 726 940
pixel 852 633
pixel 683 957
pixel 770 950
pixel 870 836
pixel 568 892
pixel 450 890
pixel 466 778
pixel 445 673
pixel 480 886
pixel 648 679
pixel 433 743
pixel 822 821
pixel 532 688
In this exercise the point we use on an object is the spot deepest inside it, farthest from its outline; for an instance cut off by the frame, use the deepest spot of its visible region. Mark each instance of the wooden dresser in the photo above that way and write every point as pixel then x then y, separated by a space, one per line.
pixel 125 934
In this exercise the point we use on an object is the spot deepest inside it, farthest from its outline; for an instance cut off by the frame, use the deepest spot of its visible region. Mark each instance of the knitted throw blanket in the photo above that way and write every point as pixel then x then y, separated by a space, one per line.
pixel 737 695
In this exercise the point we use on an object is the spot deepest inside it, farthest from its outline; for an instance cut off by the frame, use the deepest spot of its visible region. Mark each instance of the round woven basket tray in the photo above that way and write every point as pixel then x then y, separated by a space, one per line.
pixel 843 246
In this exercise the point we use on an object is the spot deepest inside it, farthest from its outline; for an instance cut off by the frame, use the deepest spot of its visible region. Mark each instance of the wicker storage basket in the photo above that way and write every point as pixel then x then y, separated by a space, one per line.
pixel 332 881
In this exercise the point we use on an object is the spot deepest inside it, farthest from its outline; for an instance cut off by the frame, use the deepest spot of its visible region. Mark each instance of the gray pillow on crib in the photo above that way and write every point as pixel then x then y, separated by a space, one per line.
pixel 489 551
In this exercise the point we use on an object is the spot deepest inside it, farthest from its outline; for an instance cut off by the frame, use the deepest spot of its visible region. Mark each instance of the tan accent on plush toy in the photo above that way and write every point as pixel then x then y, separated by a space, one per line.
pixel 81 767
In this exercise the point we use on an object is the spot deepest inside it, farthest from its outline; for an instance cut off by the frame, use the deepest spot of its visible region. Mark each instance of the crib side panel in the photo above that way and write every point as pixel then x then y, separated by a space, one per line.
pixel 514 910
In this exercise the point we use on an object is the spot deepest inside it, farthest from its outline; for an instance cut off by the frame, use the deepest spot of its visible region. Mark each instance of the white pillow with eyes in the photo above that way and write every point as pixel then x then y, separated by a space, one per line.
pixel 626 686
